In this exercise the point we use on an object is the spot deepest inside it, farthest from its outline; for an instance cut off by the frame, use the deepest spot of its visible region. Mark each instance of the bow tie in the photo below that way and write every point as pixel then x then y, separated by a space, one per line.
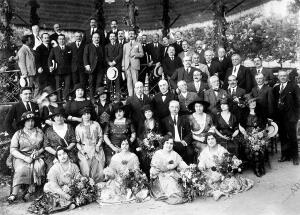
pixel 196 64
pixel 216 90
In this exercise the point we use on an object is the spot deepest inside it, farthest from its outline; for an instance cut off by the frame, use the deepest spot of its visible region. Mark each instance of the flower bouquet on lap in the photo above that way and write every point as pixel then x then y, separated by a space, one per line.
pixel 150 144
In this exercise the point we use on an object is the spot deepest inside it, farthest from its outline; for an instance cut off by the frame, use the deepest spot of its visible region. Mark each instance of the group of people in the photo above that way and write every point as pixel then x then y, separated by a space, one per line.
pixel 205 106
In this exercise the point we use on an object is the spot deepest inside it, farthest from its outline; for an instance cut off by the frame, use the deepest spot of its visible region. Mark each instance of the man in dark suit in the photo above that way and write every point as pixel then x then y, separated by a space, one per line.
pixel 171 63
pixel 225 62
pixel 59 62
pixel 197 86
pixel 93 60
pixel 135 103
pixel 161 100
pixel 214 67
pixel 16 111
pixel 269 77
pixel 94 28
pixel 287 111
pixel 264 95
pixel 243 75
pixel 178 43
pixel 113 29
pixel 54 36
pixel 183 73
pixel 144 60
pixel 121 38
pixel 178 128
pixel 165 43
pixel 185 97
pixel 200 49
pixel 77 47
pixel 113 58
pixel 45 78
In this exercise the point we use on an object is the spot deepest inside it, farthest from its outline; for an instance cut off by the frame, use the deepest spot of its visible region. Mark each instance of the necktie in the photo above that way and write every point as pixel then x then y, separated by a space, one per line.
pixel 174 119
pixel 234 71
pixel 28 106
pixel 232 91
pixel 131 43
pixel 172 58
pixel 93 31
pixel 78 44
pixel 281 88
pixel 258 71
pixel 196 64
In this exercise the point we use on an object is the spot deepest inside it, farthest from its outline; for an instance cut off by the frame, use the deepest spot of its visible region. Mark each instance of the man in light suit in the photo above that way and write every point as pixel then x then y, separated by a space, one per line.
pixel 270 79
pixel 197 86
pixel 26 63
pixel 214 94
pixel 186 51
pixel 132 52
pixel 202 67
pixel 185 97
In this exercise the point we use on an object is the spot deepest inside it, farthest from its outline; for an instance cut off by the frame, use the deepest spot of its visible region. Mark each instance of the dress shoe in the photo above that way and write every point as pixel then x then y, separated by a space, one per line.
pixel 296 161
pixel 283 159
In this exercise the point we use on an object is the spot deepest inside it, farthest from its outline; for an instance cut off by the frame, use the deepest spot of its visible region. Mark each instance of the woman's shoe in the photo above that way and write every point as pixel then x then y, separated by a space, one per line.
pixel 12 198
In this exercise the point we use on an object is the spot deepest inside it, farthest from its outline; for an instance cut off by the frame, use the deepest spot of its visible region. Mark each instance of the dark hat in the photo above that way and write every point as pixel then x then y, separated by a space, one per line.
pixel 191 106
pixel 57 111
pixel 50 91
pixel 100 91
pixel 119 106
pixel 86 109
pixel 78 86
pixel 26 116
pixel 147 107
pixel 249 98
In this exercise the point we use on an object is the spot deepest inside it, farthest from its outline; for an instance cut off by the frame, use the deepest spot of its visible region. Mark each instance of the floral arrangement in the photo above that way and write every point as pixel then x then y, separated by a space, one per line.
pixel 82 190
pixel 227 164
pixel 150 144
pixel 193 182
pixel 257 140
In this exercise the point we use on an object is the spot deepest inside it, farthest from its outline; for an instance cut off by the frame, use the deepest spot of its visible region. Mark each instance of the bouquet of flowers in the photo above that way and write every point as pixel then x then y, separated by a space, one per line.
pixel 257 140
pixel 82 190
pixel 193 182
pixel 227 165
pixel 135 181
pixel 150 144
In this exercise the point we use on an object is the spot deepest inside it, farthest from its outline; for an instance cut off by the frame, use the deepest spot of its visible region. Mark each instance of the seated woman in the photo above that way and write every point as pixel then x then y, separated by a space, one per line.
pixel 116 131
pixel 149 140
pixel 89 143
pixel 200 122
pixel 227 127
pixel 26 148
pixel 123 164
pixel 60 134
pixel 253 127
pixel 164 172
pixel 218 183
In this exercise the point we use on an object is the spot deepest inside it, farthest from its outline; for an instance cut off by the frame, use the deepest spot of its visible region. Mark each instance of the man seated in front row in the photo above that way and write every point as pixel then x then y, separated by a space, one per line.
pixel 197 86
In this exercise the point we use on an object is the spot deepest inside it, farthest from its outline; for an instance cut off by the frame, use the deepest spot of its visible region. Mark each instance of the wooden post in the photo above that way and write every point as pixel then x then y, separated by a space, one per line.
pixel 220 23
pixel 34 17
pixel 166 18
pixel 100 13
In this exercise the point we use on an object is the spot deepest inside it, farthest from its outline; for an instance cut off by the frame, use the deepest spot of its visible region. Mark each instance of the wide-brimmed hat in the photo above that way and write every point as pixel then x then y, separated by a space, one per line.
pixel 26 116
pixel 112 73
pixel 249 98
pixel 147 107
pixel 57 111
pixel 191 106
pixel 119 106
pixel 158 70
pixel 100 91
pixel 24 81
pixel 86 109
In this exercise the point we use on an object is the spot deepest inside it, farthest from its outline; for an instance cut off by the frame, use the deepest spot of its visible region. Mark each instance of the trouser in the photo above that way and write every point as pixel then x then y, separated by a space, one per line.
pixel 186 152
pixel 132 77
pixel 75 77
pixel 95 81
pixel 46 79
pixel 142 73
pixel 114 86
pixel 63 80
pixel 34 84
pixel 288 138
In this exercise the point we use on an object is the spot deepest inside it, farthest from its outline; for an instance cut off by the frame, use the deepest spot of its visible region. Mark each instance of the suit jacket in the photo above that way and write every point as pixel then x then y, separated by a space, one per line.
pixel 54 37
pixel 93 56
pixel 183 126
pixel 77 57
pixel 114 53
pixel 244 79
pixel 155 53
pixel 145 59
pixel 225 64
pixel 15 113
pixel 203 87
pixel 201 55
pixel 183 54
pixel 239 93
pixel 185 101
pixel 63 58
pixel 26 61
pixel 178 47
pixel 160 107
pixel 41 56
pixel 214 68
pixel 269 77
pixel 210 96
pixel 128 60
pixel 181 74
pixel 265 99
pixel 107 41
pixel 135 105
pixel 238 110
pixel 287 103
pixel 169 66
pixel 87 37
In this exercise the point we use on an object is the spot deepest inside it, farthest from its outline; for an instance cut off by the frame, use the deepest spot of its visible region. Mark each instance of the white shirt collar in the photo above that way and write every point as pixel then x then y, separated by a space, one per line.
pixel 184 94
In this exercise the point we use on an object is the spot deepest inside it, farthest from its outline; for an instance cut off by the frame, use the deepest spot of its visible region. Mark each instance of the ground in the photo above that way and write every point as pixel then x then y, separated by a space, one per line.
pixel 276 193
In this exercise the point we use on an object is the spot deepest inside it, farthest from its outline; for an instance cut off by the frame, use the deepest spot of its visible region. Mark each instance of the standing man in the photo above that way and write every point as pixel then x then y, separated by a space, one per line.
pixel 200 49
pixel 287 104
pixel 113 29
pixel 214 67
pixel 132 52
pixel 121 37
pixel 93 60
pixel 54 36
pixel 178 43
pixel 186 51
pixel 165 42
pixel 59 62
pixel 26 62
pixel 270 79
pixel 171 62
pixel 94 28
pixel 36 35
pixel 45 78
pixel 224 61
pixel 144 60
pixel 113 58
pixel 78 70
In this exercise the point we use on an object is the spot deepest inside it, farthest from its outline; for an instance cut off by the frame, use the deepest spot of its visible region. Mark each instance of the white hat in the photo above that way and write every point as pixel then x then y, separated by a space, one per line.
pixel 272 129
pixel 24 81
pixel 112 73
pixel 158 70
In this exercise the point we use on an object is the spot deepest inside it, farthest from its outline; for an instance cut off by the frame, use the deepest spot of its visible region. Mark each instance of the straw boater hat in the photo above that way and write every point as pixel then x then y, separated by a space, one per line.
pixel 158 70
pixel 191 106
pixel 272 129
pixel 26 116
pixel 112 73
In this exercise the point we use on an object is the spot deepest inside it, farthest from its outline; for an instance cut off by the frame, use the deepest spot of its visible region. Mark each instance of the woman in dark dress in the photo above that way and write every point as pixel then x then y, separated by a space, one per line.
pixel 116 130
pixel 227 127
pixel 73 107
pixel 103 107
pixel 59 134
pixel 253 127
